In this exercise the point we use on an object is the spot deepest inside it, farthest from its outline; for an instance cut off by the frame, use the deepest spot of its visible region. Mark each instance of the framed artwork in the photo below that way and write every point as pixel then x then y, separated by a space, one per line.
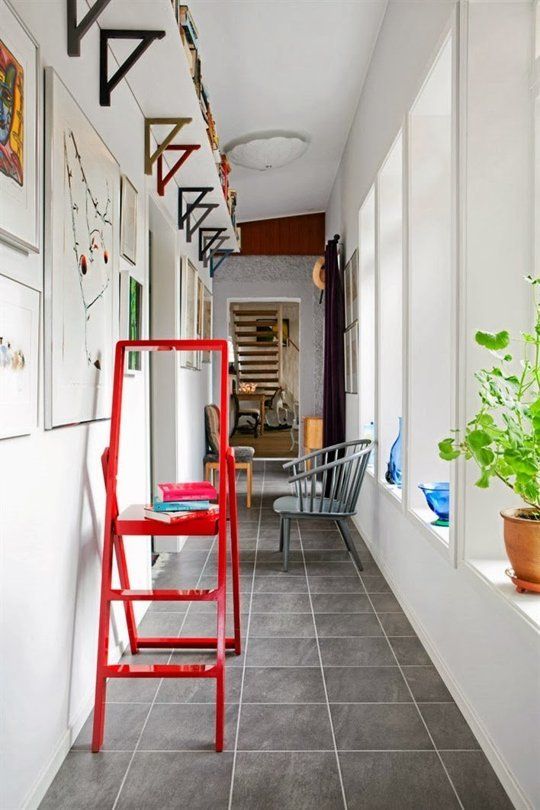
pixel 351 289
pixel 82 187
pixel 207 322
pixel 351 359
pixel 128 221
pixel 199 319
pixel 19 358
pixel 19 153
pixel 347 356
pixel 135 310
pixel 188 310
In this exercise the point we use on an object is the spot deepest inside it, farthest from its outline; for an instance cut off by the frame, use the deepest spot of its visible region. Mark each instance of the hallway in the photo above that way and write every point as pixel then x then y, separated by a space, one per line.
pixel 333 704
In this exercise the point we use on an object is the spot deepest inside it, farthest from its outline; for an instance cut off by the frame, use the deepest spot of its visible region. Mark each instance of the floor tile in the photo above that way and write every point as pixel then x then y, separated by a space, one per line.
pixel 160 624
pixel 396 624
pixel 200 690
pixel 167 781
pixel 426 684
pixel 86 781
pixel 184 726
pixel 322 540
pixel 284 728
pixel 379 726
pixel 447 726
pixel 205 624
pixel 475 781
pixel 326 555
pixel 344 568
pixel 283 685
pixel 280 603
pixel 366 685
pixel 407 780
pixel 375 584
pixel 340 603
pixel 337 584
pixel 306 781
pixel 347 624
pixel 132 690
pixel 123 725
pixel 281 625
pixel 409 651
pixel 385 603
pixel 356 652
pixel 280 584
pixel 275 568
pixel 295 652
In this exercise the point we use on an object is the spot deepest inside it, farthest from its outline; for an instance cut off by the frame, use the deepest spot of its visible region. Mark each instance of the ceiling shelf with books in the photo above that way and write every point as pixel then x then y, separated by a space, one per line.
pixel 167 83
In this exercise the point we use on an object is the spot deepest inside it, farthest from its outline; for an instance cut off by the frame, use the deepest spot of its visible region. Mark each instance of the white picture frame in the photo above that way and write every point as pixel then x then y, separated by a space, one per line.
pixel 81 263
pixel 19 358
pixel 19 144
pixel 128 220
pixel 208 308
pixel 350 284
pixel 188 309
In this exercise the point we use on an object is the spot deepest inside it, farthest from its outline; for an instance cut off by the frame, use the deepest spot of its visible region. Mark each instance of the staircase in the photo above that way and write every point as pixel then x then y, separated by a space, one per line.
pixel 257 338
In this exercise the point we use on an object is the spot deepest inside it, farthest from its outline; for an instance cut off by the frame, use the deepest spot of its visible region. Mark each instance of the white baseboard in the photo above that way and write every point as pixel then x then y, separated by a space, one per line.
pixel 487 745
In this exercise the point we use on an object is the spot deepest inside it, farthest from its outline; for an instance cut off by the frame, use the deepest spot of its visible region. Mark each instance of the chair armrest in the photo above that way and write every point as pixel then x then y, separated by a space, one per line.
pixel 329 465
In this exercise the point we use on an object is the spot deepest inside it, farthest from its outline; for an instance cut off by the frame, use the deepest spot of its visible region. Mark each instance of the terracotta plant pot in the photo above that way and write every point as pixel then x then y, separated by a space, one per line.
pixel 522 541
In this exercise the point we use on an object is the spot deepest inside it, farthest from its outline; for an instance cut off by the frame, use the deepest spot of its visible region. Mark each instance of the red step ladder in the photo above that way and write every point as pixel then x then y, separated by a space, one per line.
pixel 131 521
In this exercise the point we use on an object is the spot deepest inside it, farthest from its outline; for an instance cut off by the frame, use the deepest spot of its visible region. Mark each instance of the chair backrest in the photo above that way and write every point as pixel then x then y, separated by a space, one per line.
pixel 329 480
pixel 211 424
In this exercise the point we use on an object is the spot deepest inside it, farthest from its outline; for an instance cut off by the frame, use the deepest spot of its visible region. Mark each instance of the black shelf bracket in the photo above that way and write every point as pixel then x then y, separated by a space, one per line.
pixel 217 258
pixel 210 238
pixel 106 85
pixel 186 209
pixel 76 31
pixel 151 157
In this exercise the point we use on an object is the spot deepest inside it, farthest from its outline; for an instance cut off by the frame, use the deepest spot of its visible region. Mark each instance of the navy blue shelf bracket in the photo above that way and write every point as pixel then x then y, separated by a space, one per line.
pixel 210 238
pixel 106 85
pixel 75 30
pixel 217 258
pixel 187 209
pixel 151 157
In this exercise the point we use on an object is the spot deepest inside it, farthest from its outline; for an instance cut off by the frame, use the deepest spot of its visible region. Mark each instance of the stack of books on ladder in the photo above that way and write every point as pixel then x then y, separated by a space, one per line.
pixel 177 502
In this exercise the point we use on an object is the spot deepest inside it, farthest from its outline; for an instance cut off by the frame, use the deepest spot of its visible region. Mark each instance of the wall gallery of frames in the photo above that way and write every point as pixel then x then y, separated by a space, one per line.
pixel 98 204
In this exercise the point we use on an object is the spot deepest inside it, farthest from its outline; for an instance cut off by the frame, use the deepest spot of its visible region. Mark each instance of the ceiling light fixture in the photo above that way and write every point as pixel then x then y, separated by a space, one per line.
pixel 262 151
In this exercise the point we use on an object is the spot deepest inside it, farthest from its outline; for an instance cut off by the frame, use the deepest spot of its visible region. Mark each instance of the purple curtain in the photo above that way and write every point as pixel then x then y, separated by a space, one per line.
pixel 334 353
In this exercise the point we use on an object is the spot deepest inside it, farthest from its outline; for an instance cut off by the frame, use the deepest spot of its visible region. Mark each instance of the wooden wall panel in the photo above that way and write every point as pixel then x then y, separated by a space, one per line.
pixel 285 236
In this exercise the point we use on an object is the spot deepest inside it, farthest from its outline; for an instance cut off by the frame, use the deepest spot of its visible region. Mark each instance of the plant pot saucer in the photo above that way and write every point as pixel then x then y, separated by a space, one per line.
pixel 522 586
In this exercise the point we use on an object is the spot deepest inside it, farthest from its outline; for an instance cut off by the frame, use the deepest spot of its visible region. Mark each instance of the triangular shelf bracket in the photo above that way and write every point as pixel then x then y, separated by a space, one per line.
pixel 76 31
pixel 185 213
pixel 220 255
pixel 208 238
pixel 162 179
pixel 151 157
pixel 106 85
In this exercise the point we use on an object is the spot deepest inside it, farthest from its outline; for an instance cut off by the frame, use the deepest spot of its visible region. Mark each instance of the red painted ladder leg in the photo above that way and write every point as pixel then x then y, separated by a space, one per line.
pixel 124 583
pixel 103 639
pixel 235 560
pixel 221 619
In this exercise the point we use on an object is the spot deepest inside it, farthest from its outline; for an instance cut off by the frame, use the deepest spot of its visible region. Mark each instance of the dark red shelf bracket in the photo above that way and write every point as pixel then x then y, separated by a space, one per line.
pixel 217 258
pixel 106 85
pixel 76 31
pixel 210 238
pixel 150 156
pixel 187 209
pixel 162 179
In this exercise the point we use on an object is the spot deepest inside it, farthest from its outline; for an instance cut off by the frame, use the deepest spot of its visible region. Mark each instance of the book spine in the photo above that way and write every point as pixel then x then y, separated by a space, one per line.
pixel 180 506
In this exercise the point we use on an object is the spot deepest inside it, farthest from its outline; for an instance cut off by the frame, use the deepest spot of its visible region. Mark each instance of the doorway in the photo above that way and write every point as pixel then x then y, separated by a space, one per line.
pixel 264 337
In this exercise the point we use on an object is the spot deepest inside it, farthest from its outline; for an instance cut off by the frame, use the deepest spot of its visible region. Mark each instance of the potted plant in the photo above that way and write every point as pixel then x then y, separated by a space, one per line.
pixel 503 438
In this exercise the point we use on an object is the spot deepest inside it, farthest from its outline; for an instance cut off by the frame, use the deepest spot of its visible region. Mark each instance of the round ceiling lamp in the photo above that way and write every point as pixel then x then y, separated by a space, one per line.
pixel 262 151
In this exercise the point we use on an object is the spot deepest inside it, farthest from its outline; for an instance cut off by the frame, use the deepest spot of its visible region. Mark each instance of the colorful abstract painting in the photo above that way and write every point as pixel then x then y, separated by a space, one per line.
pixel 11 116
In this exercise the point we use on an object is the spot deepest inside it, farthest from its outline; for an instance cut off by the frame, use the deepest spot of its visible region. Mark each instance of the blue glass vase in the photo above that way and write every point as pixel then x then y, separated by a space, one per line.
pixel 437 495
pixel 394 472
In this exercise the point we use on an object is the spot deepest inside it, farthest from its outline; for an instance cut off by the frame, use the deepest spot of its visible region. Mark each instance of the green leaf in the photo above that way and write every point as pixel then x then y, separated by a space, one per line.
pixel 484 456
pixel 483 481
pixel 448 451
pixel 478 438
pixel 492 341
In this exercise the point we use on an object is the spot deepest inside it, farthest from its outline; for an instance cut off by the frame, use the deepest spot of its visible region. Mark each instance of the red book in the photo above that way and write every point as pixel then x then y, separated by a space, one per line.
pixel 193 491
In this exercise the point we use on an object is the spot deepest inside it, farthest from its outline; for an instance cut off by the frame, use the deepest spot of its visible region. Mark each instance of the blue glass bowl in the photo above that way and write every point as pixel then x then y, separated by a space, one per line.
pixel 437 495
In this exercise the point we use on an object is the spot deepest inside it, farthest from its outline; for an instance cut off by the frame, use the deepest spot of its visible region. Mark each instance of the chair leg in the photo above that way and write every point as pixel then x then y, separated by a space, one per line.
pixel 286 542
pixel 249 482
pixel 281 534
pixel 347 539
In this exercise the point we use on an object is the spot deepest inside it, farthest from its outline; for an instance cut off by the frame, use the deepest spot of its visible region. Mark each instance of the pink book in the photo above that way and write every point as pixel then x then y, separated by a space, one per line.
pixel 193 491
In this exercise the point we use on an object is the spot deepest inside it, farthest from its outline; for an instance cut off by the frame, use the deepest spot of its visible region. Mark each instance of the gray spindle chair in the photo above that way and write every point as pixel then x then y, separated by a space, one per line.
pixel 327 485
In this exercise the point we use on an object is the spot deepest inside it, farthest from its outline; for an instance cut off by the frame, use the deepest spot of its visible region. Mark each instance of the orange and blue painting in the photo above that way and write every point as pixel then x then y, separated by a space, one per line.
pixel 11 116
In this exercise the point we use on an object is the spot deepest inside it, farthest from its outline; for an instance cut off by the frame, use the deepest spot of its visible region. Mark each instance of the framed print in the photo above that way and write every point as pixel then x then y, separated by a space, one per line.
pixel 350 281
pixel 128 221
pixel 19 153
pixel 353 358
pixel 199 319
pixel 188 309
pixel 347 357
pixel 207 323
pixel 135 310
pixel 19 358
pixel 82 186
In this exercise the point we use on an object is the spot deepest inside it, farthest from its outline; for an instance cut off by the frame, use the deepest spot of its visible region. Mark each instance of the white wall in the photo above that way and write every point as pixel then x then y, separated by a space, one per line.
pixel 486 650
pixel 52 494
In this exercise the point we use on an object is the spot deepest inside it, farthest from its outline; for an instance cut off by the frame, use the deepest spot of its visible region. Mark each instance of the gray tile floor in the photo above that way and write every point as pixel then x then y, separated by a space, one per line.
pixel 334 702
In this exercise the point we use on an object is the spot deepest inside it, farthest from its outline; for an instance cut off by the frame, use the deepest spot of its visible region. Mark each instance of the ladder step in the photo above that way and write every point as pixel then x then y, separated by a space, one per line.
pixel 189 595
pixel 209 642
pixel 268 312
pixel 262 322
pixel 160 671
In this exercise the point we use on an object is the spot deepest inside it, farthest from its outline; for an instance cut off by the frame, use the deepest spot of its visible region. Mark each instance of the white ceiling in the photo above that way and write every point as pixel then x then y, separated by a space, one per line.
pixel 288 65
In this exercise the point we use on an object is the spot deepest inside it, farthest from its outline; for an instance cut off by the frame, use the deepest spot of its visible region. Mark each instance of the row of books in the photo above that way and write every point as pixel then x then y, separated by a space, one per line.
pixel 182 501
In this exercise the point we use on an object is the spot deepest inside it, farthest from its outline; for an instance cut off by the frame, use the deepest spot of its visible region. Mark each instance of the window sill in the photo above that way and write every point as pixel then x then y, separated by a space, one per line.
pixel 492 573
pixel 395 492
